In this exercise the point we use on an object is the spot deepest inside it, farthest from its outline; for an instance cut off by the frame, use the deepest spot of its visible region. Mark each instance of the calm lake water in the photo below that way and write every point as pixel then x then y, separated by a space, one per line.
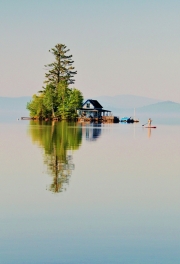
pixel 89 194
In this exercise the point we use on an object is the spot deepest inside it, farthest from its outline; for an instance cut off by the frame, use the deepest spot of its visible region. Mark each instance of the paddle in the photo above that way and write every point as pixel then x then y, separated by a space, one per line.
pixel 144 124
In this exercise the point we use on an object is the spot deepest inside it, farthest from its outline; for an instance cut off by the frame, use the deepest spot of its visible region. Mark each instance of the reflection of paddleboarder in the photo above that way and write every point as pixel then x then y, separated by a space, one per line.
pixel 149 122
pixel 149 132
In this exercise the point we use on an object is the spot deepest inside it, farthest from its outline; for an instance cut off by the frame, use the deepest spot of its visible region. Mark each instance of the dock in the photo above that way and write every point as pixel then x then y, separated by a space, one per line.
pixel 102 119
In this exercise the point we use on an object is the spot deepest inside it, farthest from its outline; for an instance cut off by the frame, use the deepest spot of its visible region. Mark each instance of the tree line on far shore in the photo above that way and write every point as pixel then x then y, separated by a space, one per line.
pixel 57 99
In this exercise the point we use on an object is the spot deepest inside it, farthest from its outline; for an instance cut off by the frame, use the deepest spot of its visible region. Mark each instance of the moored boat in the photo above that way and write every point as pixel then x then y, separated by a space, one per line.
pixel 127 120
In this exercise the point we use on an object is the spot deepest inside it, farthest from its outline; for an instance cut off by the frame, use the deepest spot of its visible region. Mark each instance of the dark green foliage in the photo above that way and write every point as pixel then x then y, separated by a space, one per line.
pixel 61 69
pixel 68 101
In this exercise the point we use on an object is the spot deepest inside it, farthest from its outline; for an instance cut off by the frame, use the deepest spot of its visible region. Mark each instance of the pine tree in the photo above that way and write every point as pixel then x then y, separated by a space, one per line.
pixel 61 69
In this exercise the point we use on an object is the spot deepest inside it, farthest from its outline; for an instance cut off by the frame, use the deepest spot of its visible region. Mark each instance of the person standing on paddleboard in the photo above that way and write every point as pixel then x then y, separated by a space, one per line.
pixel 149 122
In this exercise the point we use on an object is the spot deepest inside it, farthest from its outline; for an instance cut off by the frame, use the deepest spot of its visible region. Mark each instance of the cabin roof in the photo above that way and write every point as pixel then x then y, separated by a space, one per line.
pixel 94 110
pixel 95 103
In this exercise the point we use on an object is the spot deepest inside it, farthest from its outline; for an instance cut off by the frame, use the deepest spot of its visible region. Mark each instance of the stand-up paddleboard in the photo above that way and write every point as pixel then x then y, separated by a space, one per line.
pixel 151 127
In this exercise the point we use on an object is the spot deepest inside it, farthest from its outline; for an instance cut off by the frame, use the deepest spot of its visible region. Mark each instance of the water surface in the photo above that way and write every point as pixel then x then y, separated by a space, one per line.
pixel 89 193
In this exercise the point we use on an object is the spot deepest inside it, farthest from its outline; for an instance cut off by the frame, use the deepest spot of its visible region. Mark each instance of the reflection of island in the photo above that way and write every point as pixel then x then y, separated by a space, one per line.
pixel 57 139
pixel 91 131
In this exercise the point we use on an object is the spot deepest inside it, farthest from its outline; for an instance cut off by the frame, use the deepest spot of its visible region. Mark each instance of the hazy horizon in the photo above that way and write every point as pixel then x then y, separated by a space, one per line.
pixel 118 105
pixel 102 95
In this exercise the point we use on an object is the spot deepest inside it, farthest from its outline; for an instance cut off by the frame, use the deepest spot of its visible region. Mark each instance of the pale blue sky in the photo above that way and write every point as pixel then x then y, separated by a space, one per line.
pixel 119 47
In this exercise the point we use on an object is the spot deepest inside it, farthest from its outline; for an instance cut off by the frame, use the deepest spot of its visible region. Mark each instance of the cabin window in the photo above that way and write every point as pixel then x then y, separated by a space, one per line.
pixel 88 105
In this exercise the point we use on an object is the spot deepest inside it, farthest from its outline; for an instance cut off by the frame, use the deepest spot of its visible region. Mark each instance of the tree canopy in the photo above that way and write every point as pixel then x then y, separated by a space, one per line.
pixel 57 99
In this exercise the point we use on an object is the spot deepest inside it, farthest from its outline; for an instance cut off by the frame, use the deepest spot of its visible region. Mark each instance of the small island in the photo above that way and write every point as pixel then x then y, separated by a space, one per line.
pixel 57 101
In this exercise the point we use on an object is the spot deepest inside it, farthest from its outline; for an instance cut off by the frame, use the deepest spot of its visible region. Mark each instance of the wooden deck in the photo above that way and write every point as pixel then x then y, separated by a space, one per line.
pixel 103 119
pixel 41 119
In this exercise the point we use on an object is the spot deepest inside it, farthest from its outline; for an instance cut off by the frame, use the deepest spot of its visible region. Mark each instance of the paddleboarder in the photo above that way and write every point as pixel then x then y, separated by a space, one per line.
pixel 149 122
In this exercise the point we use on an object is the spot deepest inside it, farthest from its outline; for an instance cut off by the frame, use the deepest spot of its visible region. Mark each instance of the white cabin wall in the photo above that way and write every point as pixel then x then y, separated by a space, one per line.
pixel 91 106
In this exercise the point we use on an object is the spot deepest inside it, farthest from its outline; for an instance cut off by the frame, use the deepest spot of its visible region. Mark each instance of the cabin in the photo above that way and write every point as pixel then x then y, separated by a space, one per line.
pixel 92 110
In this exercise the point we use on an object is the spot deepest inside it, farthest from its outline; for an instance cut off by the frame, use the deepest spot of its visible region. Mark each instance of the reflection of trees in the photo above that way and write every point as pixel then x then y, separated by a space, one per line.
pixel 57 138
pixel 92 131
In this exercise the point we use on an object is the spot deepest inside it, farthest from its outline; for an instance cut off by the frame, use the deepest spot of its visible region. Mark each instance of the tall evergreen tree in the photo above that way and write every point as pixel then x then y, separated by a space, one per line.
pixel 61 69
pixel 57 99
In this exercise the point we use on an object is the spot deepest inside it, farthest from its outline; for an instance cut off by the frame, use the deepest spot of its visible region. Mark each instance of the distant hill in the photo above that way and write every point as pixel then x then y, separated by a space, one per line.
pixel 124 101
pixel 14 106
pixel 162 107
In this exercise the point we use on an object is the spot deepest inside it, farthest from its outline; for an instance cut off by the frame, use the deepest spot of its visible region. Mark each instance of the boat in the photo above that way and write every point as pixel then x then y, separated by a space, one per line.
pixel 151 127
pixel 124 119
pixel 127 120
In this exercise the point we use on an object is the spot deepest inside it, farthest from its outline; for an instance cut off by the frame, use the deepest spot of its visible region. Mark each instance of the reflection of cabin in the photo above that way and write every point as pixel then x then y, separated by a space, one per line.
pixel 91 110
pixel 91 132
